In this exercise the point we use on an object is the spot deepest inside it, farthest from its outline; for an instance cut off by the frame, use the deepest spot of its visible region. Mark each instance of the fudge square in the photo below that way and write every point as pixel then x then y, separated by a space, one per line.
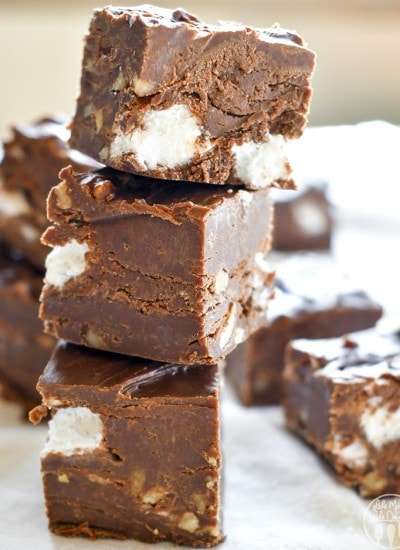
pixel 313 299
pixel 167 96
pixel 33 157
pixel 24 349
pixel 303 219
pixel 148 268
pixel 343 397
pixel 133 447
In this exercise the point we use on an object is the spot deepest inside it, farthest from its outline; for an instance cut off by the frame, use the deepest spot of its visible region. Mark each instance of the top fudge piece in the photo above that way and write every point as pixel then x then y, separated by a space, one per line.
pixel 167 96
pixel 149 268
pixel 32 160
pixel 342 396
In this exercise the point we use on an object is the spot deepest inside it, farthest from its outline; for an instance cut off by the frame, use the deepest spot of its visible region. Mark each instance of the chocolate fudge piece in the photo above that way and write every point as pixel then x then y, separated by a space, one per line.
pixel 32 160
pixel 133 448
pixel 302 219
pixel 167 96
pixel 313 299
pixel 342 397
pixel 24 349
pixel 148 268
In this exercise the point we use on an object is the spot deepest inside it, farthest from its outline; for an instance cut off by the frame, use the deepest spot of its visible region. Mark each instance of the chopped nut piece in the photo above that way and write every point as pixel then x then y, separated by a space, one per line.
pixel 189 522
pixel 99 120
pixel 63 199
pixel 119 83
pixel 153 496
pixel 93 339
pixel 200 503
pixel 137 481
pixel 373 482
pixel 104 190
pixel 63 478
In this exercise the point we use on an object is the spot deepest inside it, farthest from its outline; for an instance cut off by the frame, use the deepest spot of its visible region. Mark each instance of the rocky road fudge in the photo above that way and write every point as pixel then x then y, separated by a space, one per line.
pixel 313 299
pixel 343 397
pixel 164 95
pixel 133 448
pixel 148 268
pixel 24 349
pixel 303 219
pixel 32 160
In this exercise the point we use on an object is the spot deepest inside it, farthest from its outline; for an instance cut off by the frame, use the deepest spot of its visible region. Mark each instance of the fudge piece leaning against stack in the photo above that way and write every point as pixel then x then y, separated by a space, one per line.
pixel 173 271
pixel 313 299
pixel 342 397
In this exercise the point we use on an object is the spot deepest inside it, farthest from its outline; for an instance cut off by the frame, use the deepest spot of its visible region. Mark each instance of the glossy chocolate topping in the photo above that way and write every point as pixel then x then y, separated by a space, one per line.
pixel 110 193
pixel 83 374
pixel 362 355
pixel 308 282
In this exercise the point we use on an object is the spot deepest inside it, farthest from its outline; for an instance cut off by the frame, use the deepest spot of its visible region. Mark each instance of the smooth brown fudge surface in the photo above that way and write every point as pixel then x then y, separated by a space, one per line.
pixel 303 218
pixel 148 268
pixel 167 96
pixel 154 470
pixel 313 299
pixel 342 396
pixel 24 349
pixel 33 157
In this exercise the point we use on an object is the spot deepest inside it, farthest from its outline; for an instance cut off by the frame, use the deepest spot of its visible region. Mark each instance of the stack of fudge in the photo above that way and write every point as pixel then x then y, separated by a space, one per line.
pixel 158 265
pixel 32 159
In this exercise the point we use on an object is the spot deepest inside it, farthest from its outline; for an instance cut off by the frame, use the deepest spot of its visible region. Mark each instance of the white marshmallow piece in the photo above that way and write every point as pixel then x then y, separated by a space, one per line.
pixel 65 262
pixel 381 426
pixel 74 430
pixel 168 138
pixel 259 165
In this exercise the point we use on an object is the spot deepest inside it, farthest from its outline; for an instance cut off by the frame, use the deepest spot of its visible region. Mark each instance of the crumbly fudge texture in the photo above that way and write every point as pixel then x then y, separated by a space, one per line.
pixel 342 397
pixel 302 219
pixel 24 349
pixel 148 268
pixel 167 96
pixel 313 299
pixel 33 157
pixel 133 448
